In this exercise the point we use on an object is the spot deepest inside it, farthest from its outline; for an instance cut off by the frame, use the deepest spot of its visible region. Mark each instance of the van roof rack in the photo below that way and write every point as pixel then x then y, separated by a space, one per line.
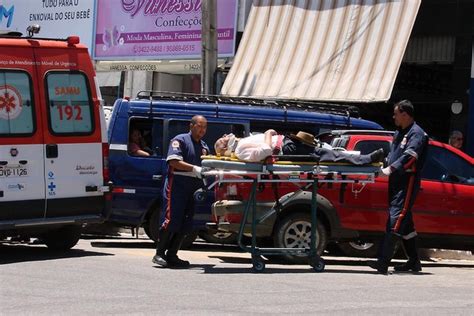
pixel 313 106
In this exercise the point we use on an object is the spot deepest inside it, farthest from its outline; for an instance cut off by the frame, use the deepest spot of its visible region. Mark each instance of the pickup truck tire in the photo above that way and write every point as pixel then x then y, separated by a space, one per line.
pixel 359 249
pixel 294 231
pixel 153 225
pixel 63 238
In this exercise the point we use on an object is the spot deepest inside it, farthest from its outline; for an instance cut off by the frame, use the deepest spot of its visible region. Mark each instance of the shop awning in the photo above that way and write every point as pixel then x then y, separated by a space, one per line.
pixel 322 50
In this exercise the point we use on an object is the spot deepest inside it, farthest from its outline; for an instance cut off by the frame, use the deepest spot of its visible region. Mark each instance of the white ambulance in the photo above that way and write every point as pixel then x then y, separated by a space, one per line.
pixel 53 143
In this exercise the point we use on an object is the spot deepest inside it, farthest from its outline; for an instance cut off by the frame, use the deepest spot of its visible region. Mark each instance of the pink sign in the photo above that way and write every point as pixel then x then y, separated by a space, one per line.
pixel 158 29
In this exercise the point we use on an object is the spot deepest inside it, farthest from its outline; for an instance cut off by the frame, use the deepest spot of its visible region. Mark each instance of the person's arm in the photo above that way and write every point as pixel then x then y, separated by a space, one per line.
pixel 414 148
pixel 180 165
pixel 268 137
pixel 135 150
pixel 141 153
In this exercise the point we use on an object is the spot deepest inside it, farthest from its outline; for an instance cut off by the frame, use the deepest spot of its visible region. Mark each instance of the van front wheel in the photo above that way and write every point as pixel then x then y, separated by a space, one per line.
pixel 62 239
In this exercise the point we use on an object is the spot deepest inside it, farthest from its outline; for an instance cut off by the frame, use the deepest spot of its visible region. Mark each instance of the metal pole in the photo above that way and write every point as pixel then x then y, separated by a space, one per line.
pixel 209 47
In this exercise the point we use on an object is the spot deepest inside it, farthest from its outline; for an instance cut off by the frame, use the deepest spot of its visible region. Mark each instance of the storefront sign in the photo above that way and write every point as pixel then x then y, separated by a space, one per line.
pixel 57 18
pixel 159 29
pixel 175 66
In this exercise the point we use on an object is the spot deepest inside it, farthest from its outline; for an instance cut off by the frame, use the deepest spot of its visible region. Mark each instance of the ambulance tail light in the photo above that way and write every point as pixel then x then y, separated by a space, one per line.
pixel 105 162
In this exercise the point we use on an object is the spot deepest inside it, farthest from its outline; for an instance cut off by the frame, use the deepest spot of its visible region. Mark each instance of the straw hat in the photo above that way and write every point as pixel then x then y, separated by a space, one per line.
pixel 305 138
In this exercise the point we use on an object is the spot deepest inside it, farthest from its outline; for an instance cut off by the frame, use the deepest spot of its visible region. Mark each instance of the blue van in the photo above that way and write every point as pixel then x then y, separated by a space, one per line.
pixel 138 181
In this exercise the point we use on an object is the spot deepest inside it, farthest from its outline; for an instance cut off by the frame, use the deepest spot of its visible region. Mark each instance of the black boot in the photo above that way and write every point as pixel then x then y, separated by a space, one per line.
pixel 377 155
pixel 385 255
pixel 171 255
pixel 413 262
pixel 164 238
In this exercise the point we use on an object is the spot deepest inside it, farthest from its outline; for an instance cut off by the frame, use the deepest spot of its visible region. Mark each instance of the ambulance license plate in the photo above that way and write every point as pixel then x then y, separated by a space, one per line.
pixel 8 172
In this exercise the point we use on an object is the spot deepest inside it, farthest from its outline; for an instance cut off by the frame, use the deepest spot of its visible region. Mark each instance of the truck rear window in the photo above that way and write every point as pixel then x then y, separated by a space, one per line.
pixel 70 104
pixel 16 106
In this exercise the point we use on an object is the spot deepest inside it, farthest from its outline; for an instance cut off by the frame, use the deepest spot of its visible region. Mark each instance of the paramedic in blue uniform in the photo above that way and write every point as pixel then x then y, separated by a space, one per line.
pixel 405 161
pixel 184 155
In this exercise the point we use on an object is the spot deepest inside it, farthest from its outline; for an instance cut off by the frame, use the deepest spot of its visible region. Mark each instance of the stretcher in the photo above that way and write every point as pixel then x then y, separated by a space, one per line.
pixel 306 170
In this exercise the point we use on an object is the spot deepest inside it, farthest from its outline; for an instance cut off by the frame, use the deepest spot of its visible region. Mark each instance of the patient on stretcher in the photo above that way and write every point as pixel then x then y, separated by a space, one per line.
pixel 256 148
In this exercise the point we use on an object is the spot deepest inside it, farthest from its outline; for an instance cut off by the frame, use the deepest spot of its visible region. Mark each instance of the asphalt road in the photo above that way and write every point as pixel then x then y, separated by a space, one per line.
pixel 116 276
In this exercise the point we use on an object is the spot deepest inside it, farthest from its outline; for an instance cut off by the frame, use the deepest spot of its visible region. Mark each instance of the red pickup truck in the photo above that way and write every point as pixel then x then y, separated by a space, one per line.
pixel 355 216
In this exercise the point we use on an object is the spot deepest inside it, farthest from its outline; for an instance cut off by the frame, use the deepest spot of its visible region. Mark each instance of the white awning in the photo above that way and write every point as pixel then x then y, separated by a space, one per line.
pixel 322 50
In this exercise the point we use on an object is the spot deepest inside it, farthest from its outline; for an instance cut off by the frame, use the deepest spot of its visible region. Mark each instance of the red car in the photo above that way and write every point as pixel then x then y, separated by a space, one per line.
pixel 355 216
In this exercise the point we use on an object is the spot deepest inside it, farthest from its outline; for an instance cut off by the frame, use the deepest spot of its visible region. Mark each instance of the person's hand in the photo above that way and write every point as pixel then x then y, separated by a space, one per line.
pixel 197 172
pixel 272 132
pixel 387 171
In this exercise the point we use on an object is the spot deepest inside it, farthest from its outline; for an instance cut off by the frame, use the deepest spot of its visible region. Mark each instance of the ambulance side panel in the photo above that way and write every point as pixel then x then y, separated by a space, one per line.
pixel 73 140
pixel 22 189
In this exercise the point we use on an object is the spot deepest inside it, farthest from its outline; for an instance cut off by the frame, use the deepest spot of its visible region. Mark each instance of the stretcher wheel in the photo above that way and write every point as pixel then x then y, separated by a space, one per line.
pixel 258 265
pixel 317 263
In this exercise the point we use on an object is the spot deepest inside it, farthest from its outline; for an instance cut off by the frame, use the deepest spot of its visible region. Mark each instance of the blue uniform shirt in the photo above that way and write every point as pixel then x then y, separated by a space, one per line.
pixel 408 144
pixel 184 148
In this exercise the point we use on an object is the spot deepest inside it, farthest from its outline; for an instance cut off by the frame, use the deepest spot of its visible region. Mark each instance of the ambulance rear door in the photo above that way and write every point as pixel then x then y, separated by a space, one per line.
pixel 73 144
pixel 22 186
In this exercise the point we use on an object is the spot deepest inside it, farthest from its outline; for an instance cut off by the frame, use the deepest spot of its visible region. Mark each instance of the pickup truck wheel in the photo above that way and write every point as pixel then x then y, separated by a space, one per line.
pixel 62 239
pixel 294 231
pixel 359 249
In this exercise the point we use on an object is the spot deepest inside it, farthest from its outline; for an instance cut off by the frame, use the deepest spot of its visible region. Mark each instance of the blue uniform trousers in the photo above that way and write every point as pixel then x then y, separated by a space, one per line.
pixel 178 203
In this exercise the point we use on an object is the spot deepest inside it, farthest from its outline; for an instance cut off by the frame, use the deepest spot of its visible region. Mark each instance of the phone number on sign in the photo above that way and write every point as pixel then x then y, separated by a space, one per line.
pixel 164 48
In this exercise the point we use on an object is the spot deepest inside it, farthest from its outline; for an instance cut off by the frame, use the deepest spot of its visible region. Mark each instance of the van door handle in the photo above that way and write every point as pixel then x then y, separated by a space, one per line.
pixel 51 151
pixel 157 177
pixel 91 188
pixel 3 163
pixel 23 162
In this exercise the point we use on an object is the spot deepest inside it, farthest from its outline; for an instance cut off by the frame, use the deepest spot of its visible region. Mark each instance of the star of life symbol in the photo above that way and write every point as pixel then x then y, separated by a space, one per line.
pixel 10 102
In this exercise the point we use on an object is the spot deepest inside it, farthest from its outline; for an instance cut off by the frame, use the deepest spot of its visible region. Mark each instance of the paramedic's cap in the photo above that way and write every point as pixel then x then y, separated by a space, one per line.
pixel 305 138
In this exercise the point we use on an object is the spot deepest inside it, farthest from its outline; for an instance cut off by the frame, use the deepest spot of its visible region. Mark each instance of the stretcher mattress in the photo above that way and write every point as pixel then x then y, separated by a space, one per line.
pixel 287 164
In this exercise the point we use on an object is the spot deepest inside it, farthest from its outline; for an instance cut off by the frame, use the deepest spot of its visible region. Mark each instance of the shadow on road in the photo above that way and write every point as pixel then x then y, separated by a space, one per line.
pixel 27 253
pixel 145 243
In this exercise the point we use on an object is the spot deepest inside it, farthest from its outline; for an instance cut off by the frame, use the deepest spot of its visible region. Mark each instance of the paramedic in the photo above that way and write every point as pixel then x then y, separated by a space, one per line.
pixel 405 161
pixel 184 155
pixel 257 147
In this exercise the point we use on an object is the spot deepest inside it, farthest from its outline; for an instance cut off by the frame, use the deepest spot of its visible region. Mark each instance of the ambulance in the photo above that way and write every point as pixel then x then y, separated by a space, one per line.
pixel 53 141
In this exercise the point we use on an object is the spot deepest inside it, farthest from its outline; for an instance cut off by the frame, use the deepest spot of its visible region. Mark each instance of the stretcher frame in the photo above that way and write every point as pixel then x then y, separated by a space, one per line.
pixel 263 173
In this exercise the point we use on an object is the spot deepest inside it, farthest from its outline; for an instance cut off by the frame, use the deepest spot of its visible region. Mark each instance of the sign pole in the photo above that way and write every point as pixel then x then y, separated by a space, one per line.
pixel 209 47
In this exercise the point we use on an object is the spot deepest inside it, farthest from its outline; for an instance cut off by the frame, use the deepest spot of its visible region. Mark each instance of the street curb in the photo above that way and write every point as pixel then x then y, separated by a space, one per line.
pixel 446 254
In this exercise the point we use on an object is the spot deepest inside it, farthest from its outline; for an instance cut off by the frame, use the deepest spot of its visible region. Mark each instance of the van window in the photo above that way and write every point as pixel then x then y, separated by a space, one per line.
pixel 140 138
pixel 70 105
pixel 284 128
pixel 214 130
pixel 16 106
pixel 367 146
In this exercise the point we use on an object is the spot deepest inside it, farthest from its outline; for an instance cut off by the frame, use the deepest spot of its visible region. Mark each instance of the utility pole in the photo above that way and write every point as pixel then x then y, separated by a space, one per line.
pixel 209 46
